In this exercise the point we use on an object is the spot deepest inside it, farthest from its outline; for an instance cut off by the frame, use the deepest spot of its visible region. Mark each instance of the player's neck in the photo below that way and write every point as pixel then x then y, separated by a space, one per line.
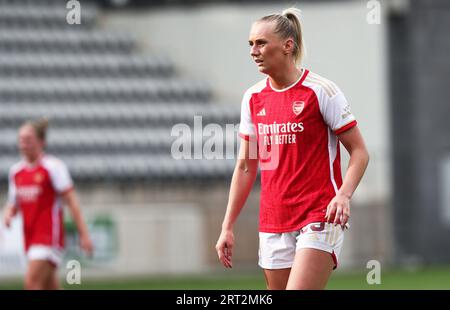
pixel 33 160
pixel 285 78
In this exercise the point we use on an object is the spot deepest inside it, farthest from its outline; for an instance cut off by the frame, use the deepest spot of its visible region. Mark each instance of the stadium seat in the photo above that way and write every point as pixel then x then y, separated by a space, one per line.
pixel 111 110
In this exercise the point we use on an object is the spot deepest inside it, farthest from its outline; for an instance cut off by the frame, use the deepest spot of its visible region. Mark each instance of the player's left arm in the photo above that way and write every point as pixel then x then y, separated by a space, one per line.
pixel 71 200
pixel 339 207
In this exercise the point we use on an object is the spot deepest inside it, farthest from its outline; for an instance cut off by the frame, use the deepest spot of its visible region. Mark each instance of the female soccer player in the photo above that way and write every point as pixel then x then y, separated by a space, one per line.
pixel 294 119
pixel 37 186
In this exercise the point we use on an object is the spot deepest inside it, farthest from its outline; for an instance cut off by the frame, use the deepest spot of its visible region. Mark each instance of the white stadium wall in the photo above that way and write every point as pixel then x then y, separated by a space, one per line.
pixel 137 240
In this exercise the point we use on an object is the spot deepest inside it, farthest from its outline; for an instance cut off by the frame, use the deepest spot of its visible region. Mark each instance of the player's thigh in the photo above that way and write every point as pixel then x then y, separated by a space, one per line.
pixel 318 249
pixel 40 274
pixel 54 284
pixel 276 279
pixel 276 256
pixel 311 270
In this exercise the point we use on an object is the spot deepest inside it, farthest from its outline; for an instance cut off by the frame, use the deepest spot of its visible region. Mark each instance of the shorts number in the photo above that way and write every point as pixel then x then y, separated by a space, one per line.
pixel 318 227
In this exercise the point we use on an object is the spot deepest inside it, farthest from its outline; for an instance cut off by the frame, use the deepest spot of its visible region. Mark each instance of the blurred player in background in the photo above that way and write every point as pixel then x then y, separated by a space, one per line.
pixel 297 118
pixel 38 185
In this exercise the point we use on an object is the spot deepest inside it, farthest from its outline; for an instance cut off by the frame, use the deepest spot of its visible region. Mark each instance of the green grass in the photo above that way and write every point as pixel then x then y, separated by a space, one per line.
pixel 426 278
pixel 422 279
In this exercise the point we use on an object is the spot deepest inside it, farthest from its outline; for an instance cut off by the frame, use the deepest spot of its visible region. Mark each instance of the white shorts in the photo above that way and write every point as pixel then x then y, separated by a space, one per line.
pixel 45 252
pixel 277 250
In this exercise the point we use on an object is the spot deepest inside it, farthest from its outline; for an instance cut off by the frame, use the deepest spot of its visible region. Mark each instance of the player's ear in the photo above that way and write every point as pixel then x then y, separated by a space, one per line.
pixel 288 46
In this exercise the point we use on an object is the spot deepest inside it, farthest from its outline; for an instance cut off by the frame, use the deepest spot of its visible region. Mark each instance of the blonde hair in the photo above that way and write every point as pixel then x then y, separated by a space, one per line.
pixel 40 127
pixel 288 25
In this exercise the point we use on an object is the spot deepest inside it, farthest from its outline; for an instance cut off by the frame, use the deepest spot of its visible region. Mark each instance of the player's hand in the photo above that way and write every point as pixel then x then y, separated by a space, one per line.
pixel 8 215
pixel 338 210
pixel 86 245
pixel 224 247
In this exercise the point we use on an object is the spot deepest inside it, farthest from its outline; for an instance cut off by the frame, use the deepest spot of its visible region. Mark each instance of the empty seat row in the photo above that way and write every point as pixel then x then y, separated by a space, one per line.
pixel 129 167
pixel 101 90
pixel 40 15
pixel 73 115
pixel 65 41
pixel 83 65
pixel 126 140
pixel 30 2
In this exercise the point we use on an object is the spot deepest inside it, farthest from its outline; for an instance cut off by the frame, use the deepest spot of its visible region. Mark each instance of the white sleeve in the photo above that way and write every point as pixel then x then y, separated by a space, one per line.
pixel 246 127
pixel 60 176
pixel 11 189
pixel 336 112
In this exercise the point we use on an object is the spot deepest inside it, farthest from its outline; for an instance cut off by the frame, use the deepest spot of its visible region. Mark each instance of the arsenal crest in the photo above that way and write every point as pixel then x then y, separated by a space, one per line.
pixel 297 107
pixel 38 177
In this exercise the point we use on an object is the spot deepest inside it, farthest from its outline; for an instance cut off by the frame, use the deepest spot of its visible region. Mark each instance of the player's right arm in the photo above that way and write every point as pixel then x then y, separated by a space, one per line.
pixel 10 209
pixel 9 212
pixel 244 176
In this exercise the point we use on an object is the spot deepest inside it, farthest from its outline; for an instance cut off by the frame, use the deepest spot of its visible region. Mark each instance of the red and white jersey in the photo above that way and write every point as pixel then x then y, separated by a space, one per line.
pixel 36 190
pixel 298 127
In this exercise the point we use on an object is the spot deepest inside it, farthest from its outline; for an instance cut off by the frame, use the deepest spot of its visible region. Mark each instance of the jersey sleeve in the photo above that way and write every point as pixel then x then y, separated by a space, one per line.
pixel 336 112
pixel 246 126
pixel 60 176
pixel 11 199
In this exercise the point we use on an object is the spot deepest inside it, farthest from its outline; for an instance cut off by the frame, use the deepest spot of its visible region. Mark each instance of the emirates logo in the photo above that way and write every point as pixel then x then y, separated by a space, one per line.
pixel 297 107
